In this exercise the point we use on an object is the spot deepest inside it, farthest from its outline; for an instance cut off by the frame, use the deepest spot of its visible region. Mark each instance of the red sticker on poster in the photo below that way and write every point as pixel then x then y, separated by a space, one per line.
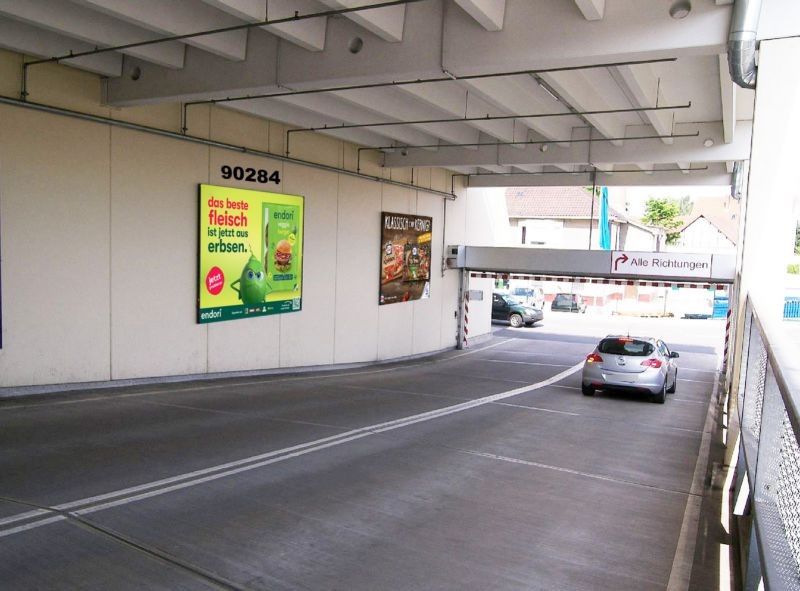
pixel 215 280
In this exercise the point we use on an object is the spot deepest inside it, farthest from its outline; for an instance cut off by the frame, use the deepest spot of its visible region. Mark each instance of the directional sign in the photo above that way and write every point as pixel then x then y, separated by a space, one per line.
pixel 663 264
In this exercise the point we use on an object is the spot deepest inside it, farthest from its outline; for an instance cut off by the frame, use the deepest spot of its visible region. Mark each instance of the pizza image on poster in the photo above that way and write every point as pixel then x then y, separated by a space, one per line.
pixel 405 257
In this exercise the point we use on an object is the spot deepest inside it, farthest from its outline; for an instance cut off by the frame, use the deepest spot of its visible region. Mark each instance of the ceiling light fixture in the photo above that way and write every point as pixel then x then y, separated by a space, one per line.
pixel 548 91
pixel 544 148
pixel 708 142
pixel 680 9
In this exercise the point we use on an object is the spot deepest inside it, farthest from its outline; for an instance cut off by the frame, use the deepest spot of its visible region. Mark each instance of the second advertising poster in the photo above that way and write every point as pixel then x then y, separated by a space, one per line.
pixel 405 257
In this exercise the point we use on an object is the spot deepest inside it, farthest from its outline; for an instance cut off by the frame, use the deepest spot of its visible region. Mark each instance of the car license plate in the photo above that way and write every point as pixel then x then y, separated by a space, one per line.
pixel 621 377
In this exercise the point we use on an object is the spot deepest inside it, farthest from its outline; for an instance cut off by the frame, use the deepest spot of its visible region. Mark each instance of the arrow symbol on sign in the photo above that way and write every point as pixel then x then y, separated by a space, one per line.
pixel 623 259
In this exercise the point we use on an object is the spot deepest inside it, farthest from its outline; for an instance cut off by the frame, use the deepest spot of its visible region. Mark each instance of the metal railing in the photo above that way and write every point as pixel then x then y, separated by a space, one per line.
pixel 768 466
pixel 791 307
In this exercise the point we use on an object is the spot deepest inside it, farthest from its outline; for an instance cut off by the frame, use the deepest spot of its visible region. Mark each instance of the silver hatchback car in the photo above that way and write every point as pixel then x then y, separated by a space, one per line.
pixel 631 363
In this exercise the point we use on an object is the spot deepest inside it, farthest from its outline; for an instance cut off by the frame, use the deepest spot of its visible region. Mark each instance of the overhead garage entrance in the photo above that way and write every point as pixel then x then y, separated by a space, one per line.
pixel 573 271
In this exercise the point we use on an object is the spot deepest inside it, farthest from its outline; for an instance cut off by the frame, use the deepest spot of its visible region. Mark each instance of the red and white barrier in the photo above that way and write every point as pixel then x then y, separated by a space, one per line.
pixel 466 317
pixel 599 281
pixel 727 338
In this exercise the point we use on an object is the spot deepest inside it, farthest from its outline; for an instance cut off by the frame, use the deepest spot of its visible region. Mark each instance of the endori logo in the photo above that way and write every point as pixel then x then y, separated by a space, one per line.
pixel 211 314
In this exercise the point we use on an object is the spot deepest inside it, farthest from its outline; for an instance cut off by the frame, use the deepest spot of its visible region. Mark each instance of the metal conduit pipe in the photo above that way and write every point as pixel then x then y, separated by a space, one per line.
pixel 737 179
pixel 742 42
pixel 4 100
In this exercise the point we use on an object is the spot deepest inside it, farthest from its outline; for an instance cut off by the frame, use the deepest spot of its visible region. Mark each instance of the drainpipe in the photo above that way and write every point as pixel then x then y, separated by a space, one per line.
pixel 742 42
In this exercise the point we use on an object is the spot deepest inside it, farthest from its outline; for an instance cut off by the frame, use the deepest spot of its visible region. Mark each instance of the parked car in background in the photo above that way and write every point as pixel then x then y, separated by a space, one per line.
pixel 507 307
pixel 568 302
pixel 530 296
pixel 641 364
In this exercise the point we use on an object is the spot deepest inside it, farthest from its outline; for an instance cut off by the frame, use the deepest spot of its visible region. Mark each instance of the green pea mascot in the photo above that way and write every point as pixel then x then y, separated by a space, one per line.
pixel 252 285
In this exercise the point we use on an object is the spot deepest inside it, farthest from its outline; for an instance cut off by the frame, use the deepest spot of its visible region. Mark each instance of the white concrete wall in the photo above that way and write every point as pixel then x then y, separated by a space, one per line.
pixel 773 195
pixel 639 239
pixel 99 243
pixel 486 219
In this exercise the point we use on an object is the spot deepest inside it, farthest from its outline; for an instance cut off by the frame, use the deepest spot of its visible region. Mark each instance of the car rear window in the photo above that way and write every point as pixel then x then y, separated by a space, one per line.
pixel 563 298
pixel 633 347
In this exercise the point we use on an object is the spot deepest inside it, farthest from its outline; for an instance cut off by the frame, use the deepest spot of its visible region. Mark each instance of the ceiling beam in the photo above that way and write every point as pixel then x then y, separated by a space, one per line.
pixel 308 34
pixel 488 13
pixel 343 111
pixel 527 41
pixel 581 94
pixel 714 175
pixel 179 18
pixel 521 94
pixel 727 90
pixel 643 88
pixel 393 104
pixel 687 149
pixel 293 115
pixel 386 23
pixel 458 102
pixel 592 10
pixel 497 169
pixel 91 27
pixel 23 38
pixel 530 167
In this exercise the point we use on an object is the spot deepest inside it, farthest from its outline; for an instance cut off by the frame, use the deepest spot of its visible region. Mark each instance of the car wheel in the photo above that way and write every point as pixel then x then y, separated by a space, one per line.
pixel 587 390
pixel 515 320
pixel 661 397
pixel 674 384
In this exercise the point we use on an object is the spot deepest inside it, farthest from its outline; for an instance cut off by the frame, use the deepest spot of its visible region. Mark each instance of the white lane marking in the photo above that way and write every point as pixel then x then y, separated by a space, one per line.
pixel 251 463
pixel 527 363
pixel 687 401
pixel 712 371
pixel 152 392
pixel 696 381
pixel 560 412
pixel 681 572
pixel 35 524
pixel 570 471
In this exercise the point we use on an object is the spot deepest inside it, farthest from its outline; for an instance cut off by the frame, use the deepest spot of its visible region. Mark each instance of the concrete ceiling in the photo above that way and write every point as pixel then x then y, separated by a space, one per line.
pixel 435 39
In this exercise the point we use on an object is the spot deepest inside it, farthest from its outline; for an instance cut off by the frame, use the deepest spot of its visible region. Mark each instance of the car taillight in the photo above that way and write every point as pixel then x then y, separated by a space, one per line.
pixel 594 358
pixel 651 363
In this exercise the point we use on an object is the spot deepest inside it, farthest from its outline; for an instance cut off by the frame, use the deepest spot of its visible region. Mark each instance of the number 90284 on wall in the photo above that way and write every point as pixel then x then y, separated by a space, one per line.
pixel 252 175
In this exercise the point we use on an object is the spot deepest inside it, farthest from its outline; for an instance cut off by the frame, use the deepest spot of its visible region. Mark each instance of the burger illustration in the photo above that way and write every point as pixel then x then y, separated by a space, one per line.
pixel 283 256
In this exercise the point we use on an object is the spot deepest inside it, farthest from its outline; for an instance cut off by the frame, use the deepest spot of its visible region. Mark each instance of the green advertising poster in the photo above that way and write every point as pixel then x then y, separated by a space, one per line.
pixel 251 253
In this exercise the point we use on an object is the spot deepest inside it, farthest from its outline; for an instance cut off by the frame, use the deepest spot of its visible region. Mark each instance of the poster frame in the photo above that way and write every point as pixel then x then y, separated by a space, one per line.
pixel 382 237
pixel 200 243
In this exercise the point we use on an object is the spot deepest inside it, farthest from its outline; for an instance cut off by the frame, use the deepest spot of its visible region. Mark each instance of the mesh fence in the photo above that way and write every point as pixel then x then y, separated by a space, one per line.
pixel 761 380
pixel 788 489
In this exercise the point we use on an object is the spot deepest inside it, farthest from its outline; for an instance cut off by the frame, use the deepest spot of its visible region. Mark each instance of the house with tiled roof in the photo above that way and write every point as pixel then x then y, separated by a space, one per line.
pixel 568 217
pixel 712 227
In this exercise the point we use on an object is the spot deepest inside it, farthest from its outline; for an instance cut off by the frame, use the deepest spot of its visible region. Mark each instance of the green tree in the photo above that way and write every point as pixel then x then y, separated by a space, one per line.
pixel 663 213
pixel 797 239
pixel 685 205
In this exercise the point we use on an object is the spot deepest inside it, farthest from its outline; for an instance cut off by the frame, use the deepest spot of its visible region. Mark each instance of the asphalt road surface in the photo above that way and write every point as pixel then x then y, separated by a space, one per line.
pixel 477 469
